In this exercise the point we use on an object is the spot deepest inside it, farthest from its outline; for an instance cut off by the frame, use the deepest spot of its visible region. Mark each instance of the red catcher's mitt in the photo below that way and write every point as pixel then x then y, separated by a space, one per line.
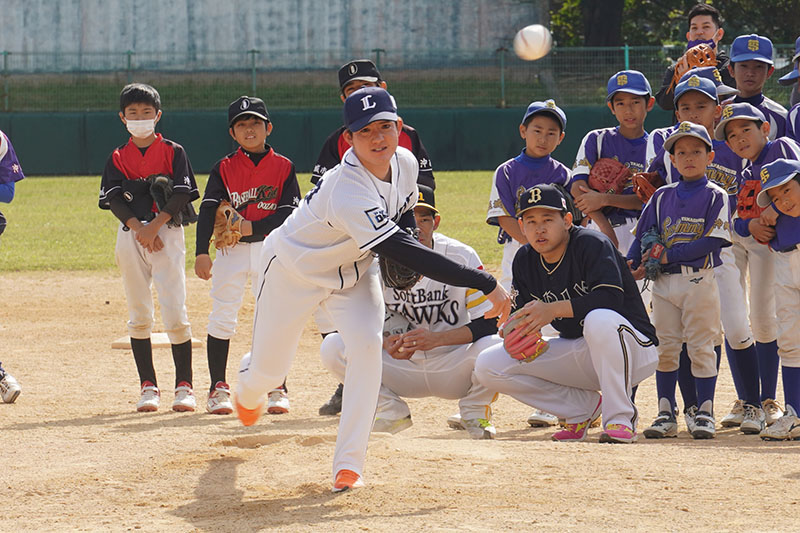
pixel 608 176
pixel 523 348
pixel 645 184
pixel 701 55
pixel 746 205
pixel 227 226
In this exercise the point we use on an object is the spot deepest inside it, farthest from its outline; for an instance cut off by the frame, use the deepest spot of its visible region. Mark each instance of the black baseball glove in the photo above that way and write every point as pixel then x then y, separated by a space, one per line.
pixel 396 275
pixel 652 250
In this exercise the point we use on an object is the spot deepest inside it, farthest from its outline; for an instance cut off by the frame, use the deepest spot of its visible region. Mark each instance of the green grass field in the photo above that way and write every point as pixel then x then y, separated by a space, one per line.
pixel 54 222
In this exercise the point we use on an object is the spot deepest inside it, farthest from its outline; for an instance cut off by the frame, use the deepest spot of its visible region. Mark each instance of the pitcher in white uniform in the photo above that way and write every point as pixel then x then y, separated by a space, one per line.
pixel 323 256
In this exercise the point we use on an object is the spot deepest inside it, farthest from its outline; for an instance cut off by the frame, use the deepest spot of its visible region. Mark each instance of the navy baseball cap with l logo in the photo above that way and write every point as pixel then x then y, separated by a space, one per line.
pixel 366 105
pixel 247 105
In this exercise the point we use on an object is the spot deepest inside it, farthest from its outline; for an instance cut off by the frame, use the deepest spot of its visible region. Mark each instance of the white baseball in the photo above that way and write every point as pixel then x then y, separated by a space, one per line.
pixel 533 42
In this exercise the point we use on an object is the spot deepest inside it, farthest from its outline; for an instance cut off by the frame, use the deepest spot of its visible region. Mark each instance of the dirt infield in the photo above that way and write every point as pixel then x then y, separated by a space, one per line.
pixel 75 455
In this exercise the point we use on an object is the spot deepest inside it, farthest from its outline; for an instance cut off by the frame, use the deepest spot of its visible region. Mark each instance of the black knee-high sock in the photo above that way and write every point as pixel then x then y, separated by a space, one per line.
pixel 143 355
pixel 217 358
pixel 182 356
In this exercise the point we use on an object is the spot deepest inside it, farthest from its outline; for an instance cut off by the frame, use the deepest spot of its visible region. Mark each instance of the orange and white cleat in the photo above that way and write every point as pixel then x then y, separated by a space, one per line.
pixel 347 480
pixel 248 416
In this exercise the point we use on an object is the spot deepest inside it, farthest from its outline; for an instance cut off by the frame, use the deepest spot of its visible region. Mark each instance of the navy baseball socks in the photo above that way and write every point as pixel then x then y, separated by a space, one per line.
pixel 768 362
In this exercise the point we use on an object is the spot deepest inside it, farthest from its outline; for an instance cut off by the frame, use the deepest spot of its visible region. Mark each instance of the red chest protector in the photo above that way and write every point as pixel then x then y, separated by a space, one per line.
pixel 255 190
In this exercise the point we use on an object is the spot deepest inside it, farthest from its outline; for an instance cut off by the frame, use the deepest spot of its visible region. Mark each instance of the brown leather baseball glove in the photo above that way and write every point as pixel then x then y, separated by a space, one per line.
pixel 608 176
pixel 701 55
pixel 645 184
pixel 227 226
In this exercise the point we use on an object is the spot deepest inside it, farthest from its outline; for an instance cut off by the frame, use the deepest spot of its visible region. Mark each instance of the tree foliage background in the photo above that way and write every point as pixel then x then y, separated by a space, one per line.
pixel 662 22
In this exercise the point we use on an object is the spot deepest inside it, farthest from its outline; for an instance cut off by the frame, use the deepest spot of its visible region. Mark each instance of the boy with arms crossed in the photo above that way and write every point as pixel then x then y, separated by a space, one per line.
pixel 629 99
pixel 262 186
pixel 322 256
pixel 150 244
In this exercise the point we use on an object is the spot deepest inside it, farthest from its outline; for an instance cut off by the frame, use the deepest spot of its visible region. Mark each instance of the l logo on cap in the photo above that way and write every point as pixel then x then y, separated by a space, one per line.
pixel 245 104
pixel 352 68
pixel 366 103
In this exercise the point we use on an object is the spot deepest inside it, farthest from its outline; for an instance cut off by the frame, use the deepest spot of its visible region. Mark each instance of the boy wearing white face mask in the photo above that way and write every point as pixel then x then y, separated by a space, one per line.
pixel 150 247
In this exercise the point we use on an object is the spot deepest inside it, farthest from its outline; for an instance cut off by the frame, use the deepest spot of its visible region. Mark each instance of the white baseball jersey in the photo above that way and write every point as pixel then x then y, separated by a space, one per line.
pixel 328 238
pixel 438 307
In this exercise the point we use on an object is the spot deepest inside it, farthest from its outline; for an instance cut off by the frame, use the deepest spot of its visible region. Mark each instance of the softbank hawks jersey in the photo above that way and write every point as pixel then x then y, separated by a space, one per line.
pixel 327 239
pixel 438 307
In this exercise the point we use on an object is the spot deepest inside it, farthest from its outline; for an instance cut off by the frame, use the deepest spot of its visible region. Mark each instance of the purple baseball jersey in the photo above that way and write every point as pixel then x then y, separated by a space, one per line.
pixel 10 169
pixel 784 148
pixel 793 123
pixel 609 142
pixel 687 214
pixel 787 233
pixel 514 177
pixel 774 112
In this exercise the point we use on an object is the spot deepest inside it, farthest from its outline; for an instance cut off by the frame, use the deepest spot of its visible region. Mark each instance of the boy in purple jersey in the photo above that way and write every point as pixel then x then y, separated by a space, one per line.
pixel 629 99
pixel 696 101
pixel 746 131
pixel 691 217
pixel 542 129
pixel 781 188
pixel 656 138
pixel 10 173
pixel 751 66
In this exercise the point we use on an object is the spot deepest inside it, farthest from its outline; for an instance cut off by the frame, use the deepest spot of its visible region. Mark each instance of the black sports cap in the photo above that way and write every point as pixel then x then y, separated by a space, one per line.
pixel 360 69
pixel 247 105
pixel 544 196
pixel 426 198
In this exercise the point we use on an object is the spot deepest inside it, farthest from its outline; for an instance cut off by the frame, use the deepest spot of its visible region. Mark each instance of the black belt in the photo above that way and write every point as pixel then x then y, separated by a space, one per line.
pixel 792 249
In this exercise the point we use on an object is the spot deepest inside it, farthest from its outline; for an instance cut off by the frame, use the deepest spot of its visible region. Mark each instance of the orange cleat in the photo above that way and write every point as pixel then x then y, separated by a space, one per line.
pixel 346 480
pixel 248 416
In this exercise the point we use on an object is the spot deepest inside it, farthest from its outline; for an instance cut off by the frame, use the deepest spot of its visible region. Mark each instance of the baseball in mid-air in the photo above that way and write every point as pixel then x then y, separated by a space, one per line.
pixel 533 42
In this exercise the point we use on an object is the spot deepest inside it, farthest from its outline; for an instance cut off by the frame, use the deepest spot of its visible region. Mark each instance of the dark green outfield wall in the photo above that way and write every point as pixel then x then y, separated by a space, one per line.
pixel 456 139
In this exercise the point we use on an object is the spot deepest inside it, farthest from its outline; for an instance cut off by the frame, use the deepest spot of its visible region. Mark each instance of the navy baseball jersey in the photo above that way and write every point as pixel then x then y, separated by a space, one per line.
pixel 688 214
pixel 592 274
pixel 514 177
pixel 129 166
pixel 784 148
pixel 335 146
pixel 609 142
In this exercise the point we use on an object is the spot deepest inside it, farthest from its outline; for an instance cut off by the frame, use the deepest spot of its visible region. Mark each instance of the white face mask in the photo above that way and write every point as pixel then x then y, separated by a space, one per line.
pixel 141 128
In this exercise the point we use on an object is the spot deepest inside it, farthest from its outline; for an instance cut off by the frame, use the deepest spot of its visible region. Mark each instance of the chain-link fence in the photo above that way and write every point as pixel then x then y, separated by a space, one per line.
pixel 300 79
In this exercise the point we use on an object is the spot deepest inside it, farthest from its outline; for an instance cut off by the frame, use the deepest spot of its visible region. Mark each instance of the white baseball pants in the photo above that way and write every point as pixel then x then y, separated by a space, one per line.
pixel 759 260
pixel 229 277
pixel 284 303
pixel 447 375
pixel 787 299
pixel 611 358
pixel 166 269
